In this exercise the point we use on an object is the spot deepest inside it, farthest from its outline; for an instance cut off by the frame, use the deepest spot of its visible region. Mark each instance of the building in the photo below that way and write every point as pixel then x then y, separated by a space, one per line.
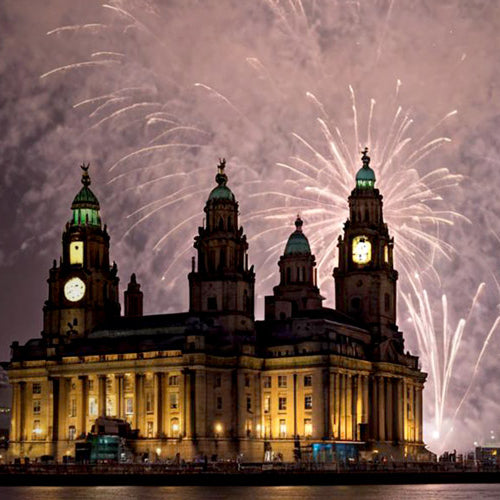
pixel 305 381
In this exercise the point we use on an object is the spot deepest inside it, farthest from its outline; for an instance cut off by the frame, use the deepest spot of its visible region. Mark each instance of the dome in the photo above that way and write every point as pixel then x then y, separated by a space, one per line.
pixel 297 242
pixel 221 192
pixel 365 178
pixel 85 206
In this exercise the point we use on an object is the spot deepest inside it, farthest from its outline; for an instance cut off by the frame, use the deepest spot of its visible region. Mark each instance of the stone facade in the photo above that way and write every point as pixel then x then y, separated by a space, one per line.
pixel 213 381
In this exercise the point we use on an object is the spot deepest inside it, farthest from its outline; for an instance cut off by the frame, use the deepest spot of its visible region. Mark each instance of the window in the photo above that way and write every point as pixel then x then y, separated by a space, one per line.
pixel 308 428
pixel 282 380
pixel 282 404
pixel 282 428
pixel 267 404
pixel 72 407
pixel 217 380
pixel 129 406
pixel 149 427
pixel 212 303
pixel 174 427
pixel 267 382
pixel 37 388
pixel 36 430
pixel 249 404
pixel 308 381
pixel 110 406
pixel 36 407
pixel 91 385
pixel 308 402
pixel 173 380
pixel 218 403
pixel 174 401
pixel 92 407
pixel 247 381
pixel 71 433
pixel 149 402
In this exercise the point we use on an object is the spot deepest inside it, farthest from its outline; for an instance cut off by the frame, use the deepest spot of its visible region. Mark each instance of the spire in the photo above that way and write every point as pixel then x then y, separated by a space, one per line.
pixel 298 223
pixel 221 177
pixel 365 178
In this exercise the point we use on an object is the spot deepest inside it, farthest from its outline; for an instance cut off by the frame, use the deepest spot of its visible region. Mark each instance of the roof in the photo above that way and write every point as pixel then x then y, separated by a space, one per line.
pixel 297 242
pixel 365 178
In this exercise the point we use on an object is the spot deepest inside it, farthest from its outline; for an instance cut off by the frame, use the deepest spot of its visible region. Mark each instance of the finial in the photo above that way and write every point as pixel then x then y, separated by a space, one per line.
pixel 298 223
pixel 365 158
pixel 85 174
pixel 133 279
pixel 221 177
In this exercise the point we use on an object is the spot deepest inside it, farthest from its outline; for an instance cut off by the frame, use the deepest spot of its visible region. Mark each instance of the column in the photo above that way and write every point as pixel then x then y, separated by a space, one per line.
pixel 348 406
pixel 341 406
pixel 102 396
pixel 139 403
pixel 84 404
pixel 16 412
pixel 399 410
pixel 158 387
pixel 405 411
pixel 373 415
pixel 355 398
pixel 295 431
pixel 325 401
pixel 419 415
pixel 55 409
pixel 331 409
pixel 186 405
pixel 381 409
pixel 389 413
pixel 364 417
pixel 120 393
pixel 63 407
pixel 336 404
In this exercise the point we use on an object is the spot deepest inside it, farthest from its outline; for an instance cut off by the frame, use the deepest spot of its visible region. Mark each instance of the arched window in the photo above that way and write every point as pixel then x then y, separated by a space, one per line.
pixel 355 305
pixel 221 223
pixel 229 224
pixel 174 427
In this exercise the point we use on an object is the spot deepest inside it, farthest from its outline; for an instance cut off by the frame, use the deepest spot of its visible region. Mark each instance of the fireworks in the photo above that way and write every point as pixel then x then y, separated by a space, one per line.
pixel 271 115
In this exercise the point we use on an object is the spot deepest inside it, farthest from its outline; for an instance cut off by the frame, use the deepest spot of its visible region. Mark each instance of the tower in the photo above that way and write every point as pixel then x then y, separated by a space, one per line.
pixel 83 289
pixel 365 279
pixel 297 290
pixel 222 284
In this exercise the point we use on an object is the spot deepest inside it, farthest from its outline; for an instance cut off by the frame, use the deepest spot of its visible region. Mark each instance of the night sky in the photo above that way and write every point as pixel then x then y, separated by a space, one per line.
pixel 282 90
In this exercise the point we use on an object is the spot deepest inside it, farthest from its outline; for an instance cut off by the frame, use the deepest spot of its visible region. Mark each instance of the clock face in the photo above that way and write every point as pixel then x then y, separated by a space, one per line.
pixel 74 289
pixel 361 250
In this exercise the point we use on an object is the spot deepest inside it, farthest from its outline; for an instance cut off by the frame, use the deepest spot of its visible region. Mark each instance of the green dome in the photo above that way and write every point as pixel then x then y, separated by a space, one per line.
pixel 221 193
pixel 297 242
pixel 85 206
pixel 365 178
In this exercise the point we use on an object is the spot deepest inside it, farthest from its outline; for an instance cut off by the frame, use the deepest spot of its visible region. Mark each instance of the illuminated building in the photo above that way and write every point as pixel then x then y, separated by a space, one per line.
pixel 212 380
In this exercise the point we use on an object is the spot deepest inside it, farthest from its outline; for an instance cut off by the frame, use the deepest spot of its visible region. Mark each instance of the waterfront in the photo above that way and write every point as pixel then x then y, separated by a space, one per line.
pixel 372 492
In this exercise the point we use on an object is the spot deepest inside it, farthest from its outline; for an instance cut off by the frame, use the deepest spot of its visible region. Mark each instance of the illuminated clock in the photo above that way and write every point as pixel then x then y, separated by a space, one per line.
pixel 361 250
pixel 76 252
pixel 74 289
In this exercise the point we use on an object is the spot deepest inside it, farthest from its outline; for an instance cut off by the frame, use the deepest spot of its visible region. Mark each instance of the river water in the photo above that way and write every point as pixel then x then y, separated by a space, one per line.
pixel 376 492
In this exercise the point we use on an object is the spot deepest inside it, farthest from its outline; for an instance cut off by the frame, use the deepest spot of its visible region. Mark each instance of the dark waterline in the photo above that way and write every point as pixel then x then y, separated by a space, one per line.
pixel 377 492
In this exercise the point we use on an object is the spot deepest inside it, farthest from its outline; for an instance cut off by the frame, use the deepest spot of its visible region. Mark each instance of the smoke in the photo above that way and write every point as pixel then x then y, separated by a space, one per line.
pixel 195 81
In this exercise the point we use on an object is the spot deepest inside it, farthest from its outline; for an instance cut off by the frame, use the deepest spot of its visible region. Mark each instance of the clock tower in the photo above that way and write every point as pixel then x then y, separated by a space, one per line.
pixel 365 279
pixel 83 289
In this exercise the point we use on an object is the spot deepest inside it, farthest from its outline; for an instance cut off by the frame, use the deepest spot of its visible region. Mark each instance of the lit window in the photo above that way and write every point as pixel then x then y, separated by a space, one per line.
pixel 92 406
pixel 282 428
pixel 72 408
pixel 282 404
pixel 308 402
pixel 282 380
pixel 76 252
pixel 267 404
pixel 37 432
pixel 174 400
pixel 37 388
pixel 308 428
pixel 174 427
pixel 71 433
pixel 149 402
pixel 110 406
pixel 267 382
pixel 36 407
pixel 129 406
pixel 149 429
pixel 308 381
pixel 173 380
